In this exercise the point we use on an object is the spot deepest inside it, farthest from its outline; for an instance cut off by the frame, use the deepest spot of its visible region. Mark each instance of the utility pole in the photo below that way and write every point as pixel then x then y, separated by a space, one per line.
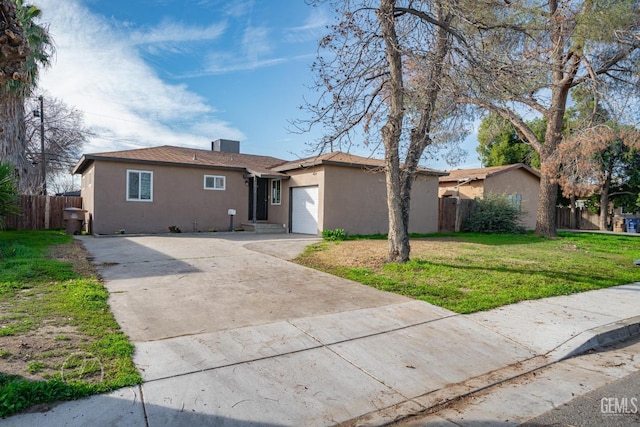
pixel 42 160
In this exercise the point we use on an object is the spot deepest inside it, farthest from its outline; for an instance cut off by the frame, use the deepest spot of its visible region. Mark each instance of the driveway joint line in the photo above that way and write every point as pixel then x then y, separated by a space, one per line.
pixel 321 345
pixel 228 365
pixel 144 405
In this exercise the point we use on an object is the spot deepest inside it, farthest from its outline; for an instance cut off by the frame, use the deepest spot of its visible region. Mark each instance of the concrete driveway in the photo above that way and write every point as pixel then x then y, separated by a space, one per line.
pixel 169 286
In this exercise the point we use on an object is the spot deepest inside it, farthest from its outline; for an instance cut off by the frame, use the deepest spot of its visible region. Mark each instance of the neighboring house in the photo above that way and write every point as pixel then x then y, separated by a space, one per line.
pixel 150 189
pixel 519 182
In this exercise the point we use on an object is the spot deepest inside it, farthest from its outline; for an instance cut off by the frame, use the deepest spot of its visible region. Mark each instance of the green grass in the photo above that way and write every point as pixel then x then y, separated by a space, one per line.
pixel 473 272
pixel 35 292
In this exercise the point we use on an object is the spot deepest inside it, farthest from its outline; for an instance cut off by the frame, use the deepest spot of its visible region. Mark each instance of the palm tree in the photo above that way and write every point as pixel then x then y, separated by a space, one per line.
pixel 26 47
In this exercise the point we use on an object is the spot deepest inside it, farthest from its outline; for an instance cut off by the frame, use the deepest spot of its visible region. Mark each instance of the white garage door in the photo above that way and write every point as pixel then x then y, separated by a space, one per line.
pixel 304 210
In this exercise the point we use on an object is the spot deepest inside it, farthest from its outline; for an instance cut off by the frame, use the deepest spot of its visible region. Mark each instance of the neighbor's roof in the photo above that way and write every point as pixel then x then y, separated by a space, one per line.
pixel 457 175
pixel 339 158
pixel 191 157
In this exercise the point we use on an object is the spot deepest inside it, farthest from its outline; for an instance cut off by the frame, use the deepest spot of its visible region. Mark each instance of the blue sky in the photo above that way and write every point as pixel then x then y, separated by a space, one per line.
pixel 180 72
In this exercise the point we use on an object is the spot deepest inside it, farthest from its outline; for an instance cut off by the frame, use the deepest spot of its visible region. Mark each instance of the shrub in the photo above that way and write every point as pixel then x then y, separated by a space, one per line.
pixel 495 214
pixel 334 235
pixel 174 229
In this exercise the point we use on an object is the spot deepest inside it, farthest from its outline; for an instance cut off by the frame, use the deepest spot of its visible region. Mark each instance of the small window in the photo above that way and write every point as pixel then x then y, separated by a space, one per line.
pixel 139 186
pixel 276 191
pixel 213 182
pixel 516 201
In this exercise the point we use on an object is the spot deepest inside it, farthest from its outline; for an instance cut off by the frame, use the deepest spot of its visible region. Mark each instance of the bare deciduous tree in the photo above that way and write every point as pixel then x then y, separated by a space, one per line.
pixel 382 73
pixel 534 52
pixel 64 135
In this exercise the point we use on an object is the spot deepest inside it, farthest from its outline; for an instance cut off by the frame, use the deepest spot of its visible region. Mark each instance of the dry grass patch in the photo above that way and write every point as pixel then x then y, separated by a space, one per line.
pixel 472 272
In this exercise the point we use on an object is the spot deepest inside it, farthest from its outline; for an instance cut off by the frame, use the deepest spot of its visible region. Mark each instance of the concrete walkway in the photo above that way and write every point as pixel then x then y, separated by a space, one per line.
pixel 228 332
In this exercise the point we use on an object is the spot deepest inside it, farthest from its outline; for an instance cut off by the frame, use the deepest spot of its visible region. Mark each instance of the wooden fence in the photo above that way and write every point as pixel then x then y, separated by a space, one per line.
pixel 41 212
pixel 453 213
pixel 585 220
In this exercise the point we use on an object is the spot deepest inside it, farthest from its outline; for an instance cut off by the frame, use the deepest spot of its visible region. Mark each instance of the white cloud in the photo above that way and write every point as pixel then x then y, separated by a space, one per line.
pixel 175 32
pixel 313 28
pixel 255 43
pixel 220 63
pixel 98 70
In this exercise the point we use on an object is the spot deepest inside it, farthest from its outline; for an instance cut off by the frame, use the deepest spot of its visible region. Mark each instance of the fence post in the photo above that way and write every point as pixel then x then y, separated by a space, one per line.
pixel 47 212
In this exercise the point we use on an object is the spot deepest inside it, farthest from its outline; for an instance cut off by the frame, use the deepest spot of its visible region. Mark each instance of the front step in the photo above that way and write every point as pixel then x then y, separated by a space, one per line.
pixel 264 228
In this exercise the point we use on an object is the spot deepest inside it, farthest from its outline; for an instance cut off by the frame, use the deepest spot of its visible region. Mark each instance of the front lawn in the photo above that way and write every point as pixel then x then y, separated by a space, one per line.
pixel 474 272
pixel 58 338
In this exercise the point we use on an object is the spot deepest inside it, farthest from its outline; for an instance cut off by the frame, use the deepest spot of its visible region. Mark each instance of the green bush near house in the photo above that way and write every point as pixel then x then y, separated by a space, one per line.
pixel 334 235
pixel 495 214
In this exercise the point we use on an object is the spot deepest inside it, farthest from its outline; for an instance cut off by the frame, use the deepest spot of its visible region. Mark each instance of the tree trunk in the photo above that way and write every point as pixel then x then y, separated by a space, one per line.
pixel 546 215
pixel 13 45
pixel 12 136
pixel 563 72
pixel 391 132
pixel 420 136
pixel 399 248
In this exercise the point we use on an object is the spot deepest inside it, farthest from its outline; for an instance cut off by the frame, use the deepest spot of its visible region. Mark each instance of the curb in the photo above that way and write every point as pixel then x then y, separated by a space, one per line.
pixel 597 337
pixel 591 339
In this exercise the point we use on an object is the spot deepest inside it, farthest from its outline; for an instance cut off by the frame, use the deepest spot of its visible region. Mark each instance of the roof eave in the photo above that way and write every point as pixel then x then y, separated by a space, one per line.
pixel 82 165
pixel 88 158
pixel 267 175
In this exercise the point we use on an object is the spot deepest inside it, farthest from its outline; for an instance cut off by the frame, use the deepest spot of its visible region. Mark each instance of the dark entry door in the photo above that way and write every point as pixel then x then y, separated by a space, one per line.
pixel 262 200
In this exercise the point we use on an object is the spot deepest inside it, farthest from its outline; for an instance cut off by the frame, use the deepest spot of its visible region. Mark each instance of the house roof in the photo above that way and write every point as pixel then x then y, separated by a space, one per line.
pixel 459 175
pixel 191 157
pixel 343 159
pixel 261 166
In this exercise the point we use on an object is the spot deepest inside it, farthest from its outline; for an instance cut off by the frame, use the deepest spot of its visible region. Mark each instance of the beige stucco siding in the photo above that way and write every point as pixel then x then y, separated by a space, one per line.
pixel 424 205
pixel 518 181
pixel 348 197
pixel 179 199
pixel 356 200
pixel 468 190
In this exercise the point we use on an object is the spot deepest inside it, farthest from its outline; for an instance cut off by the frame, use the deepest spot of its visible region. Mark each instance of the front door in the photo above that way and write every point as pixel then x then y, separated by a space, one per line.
pixel 262 199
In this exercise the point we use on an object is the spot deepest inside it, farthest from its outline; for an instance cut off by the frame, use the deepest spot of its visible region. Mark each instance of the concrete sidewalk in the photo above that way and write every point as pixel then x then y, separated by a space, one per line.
pixel 228 334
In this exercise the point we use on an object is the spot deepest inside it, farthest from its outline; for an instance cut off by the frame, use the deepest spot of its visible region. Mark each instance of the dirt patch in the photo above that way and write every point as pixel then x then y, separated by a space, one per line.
pixel 39 354
pixel 75 254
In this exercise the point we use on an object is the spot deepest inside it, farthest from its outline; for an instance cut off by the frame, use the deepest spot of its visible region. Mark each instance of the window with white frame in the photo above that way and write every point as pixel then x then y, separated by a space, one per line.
pixel 139 186
pixel 214 182
pixel 276 191
pixel 516 201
